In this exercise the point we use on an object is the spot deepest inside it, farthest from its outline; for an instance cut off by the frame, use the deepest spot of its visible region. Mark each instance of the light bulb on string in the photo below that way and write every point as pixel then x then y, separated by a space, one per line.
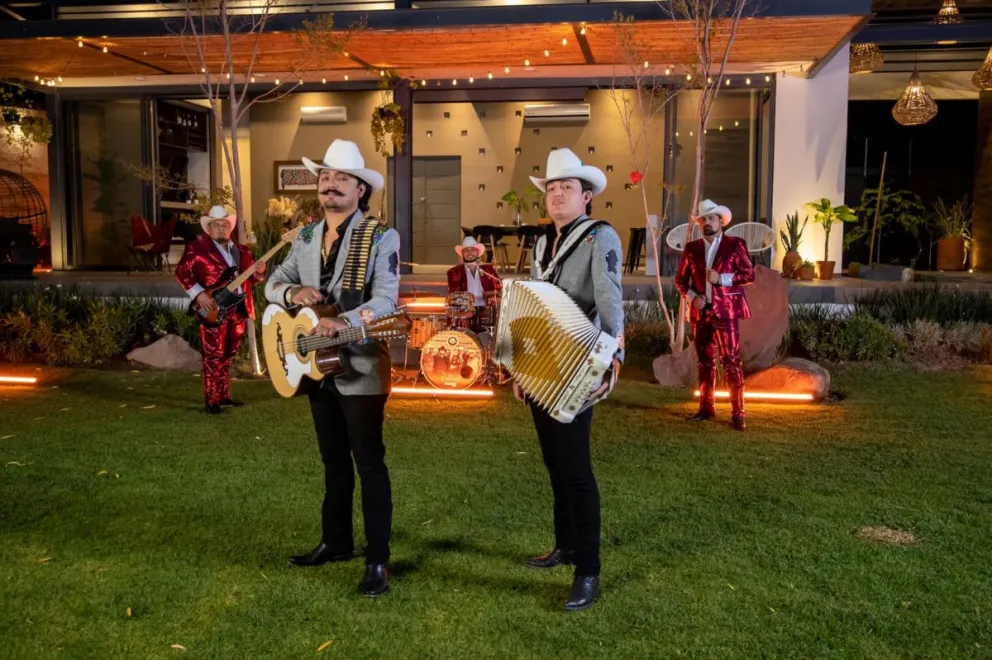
pixel 564 41
pixel 668 72
pixel 253 78
pixel 276 82
pixel 583 30
pixel 490 75
pixel 526 62
pixel 727 82
pixel 105 49
pixel 471 79
pixel 79 43
pixel 768 78
pixel 645 64
pixel 346 76
pixel 454 82
pixel 506 69
pixel 747 81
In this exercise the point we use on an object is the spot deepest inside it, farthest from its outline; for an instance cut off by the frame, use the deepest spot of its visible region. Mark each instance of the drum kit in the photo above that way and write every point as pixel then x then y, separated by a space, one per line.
pixel 454 339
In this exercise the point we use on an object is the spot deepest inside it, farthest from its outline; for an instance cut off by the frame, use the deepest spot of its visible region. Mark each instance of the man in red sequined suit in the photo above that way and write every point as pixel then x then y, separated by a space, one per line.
pixel 711 274
pixel 202 266
pixel 479 279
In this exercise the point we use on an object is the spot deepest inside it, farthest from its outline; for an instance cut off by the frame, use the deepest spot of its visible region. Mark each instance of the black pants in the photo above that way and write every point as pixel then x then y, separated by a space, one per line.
pixel 565 448
pixel 352 426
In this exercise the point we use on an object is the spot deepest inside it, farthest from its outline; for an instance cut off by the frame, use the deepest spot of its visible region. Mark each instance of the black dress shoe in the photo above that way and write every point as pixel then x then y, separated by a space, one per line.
pixel 585 590
pixel 702 416
pixel 738 423
pixel 376 581
pixel 320 555
pixel 554 558
pixel 232 402
pixel 213 409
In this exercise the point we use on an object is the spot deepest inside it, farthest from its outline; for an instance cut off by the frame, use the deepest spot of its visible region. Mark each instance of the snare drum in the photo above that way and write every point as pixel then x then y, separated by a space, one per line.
pixel 460 305
pixel 425 327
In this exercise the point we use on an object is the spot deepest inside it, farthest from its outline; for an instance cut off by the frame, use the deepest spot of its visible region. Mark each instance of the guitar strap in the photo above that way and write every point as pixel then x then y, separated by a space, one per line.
pixel 356 265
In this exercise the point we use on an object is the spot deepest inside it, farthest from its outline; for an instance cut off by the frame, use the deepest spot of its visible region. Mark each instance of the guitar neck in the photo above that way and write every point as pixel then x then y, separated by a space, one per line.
pixel 345 336
pixel 243 277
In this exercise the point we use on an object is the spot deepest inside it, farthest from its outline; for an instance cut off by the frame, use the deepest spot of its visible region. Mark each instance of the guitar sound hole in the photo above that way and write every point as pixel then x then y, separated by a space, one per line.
pixel 300 348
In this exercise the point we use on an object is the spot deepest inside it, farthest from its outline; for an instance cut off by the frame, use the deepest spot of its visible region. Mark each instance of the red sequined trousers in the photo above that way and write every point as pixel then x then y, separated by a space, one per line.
pixel 220 345
pixel 712 335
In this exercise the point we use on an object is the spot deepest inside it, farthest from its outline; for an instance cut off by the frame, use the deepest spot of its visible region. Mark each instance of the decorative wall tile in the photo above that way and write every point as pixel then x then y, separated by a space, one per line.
pixel 537 131
pixel 499 169
pixel 518 151
pixel 592 150
pixel 482 114
pixel 464 133
pixel 536 169
pixel 609 205
pixel 482 151
pixel 609 168
pixel 447 115
pixel 482 187
pixel 499 205
pixel 430 133
pixel 520 113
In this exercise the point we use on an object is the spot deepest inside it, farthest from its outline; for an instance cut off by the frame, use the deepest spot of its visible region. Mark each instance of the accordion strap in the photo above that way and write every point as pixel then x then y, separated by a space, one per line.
pixel 566 248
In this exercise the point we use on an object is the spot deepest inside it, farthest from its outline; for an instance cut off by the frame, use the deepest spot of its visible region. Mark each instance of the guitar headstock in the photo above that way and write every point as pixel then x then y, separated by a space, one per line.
pixel 291 235
pixel 394 325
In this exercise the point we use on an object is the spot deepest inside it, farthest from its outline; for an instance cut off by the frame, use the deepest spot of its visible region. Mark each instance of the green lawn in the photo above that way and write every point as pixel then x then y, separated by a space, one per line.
pixel 716 544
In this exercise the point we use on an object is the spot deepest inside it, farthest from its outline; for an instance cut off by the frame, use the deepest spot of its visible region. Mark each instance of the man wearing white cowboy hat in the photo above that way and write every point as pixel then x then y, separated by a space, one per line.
pixel 328 264
pixel 582 257
pixel 203 266
pixel 473 276
pixel 711 272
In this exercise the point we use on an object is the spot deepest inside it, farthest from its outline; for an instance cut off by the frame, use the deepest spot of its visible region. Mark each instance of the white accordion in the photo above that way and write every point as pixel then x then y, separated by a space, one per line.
pixel 552 349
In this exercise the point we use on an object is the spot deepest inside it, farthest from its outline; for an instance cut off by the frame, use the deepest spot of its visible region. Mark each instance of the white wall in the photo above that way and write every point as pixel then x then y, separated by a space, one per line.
pixel 811 152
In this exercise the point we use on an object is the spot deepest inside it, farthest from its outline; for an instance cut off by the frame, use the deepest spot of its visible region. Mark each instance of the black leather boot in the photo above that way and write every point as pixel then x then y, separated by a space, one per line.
pixel 320 555
pixel 376 581
pixel 554 558
pixel 213 409
pixel 702 415
pixel 585 590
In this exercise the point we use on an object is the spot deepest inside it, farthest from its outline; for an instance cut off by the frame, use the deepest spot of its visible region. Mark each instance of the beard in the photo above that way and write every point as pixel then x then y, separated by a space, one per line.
pixel 332 200
pixel 709 231
pixel 474 259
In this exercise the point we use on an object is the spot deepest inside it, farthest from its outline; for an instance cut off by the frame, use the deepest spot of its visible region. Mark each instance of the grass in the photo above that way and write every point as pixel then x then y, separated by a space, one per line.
pixel 716 544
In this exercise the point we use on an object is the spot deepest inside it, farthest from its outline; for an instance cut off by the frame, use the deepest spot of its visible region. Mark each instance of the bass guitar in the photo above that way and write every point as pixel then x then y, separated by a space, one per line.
pixel 226 295
pixel 292 353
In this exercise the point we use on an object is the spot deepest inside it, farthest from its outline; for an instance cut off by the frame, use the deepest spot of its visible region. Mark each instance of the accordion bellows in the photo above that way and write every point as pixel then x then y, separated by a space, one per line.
pixel 552 349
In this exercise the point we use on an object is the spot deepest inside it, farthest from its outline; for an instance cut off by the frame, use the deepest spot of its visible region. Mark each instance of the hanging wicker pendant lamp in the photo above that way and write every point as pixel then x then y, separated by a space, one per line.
pixel 915 107
pixel 948 14
pixel 983 77
pixel 866 58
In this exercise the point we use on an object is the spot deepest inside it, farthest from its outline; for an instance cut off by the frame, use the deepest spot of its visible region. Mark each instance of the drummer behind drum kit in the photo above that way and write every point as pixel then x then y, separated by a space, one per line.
pixel 455 341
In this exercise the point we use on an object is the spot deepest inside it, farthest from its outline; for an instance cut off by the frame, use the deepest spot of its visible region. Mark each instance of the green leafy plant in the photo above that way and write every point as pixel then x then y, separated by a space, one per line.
pixel 942 305
pixel 953 220
pixel 387 120
pixel 901 214
pixel 826 214
pixel 792 235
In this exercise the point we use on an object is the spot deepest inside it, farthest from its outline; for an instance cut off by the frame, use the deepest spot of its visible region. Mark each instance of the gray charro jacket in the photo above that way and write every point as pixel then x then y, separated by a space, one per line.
pixel 370 362
pixel 591 276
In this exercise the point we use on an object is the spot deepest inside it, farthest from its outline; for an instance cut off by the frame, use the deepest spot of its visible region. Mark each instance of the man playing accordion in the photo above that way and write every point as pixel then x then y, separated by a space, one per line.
pixel 582 257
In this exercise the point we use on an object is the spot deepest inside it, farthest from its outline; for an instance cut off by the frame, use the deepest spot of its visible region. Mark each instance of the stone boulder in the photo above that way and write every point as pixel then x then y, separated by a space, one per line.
pixel 169 352
pixel 676 370
pixel 886 273
pixel 792 375
pixel 762 334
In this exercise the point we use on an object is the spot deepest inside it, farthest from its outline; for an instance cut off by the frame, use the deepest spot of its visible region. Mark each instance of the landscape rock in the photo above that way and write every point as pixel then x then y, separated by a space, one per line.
pixel 792 375
pixel 761 335
pixel 886 273
pixel 676 370
pixel 169 352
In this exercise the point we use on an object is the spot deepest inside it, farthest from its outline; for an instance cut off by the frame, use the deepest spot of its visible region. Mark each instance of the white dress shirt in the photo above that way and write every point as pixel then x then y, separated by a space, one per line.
pixel 227 251
pixel 474 285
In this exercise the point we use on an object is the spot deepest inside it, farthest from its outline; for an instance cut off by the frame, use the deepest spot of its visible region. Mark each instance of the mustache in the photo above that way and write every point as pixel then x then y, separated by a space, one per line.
pixel 330 191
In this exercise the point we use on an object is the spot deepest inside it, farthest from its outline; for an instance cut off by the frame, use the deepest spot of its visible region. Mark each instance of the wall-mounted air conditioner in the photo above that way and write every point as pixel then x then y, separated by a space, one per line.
pixel 556 113
pixel 323 114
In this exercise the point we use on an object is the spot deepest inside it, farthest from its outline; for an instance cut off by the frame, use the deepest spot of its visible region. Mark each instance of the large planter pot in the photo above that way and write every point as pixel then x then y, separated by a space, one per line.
pixel 789 263
pixel 806 273
pixel 950 253
pixel 825 270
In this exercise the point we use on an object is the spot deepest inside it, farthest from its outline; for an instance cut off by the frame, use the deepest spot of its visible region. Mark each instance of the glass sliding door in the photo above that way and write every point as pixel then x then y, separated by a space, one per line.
pixel 105 146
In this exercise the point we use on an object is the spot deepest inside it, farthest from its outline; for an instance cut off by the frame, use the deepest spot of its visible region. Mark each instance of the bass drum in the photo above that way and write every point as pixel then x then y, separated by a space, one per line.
pixel 452 360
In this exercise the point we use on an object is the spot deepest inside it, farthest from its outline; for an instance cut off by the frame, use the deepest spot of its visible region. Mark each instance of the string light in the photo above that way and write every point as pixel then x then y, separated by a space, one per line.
pixel 323 81
pixel 202 70
pixel 37 78
pixel 583 30
pixel 709 81
pixel 721 127
pixel 737 123
pixel 346 76
pixel 454 82
pixel 276 82
pixel 526 62
pixel 564 41
pixel 105 49
pixel 768 78
pixel 490 75
pixel 60 78
pixel 382 74
pixel 668 72
pixel 423 83
pixel 747 81
pixel 645 64
pixel 688 76
pixel 506 70
pixel 727 82
pixel 253 78
pixel 547 53
pixel 80 44
pixel 471 79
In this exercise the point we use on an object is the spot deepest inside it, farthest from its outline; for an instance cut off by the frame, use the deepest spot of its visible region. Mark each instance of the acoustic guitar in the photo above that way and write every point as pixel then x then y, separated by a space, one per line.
pixel 226 293
pixel 294 357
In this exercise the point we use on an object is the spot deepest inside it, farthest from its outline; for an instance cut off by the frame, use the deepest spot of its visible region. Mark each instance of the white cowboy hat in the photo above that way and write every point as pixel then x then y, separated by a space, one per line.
pixel 470 242
pixel 217 213
pixel 708 207
pixel 563 164
pixel 344 156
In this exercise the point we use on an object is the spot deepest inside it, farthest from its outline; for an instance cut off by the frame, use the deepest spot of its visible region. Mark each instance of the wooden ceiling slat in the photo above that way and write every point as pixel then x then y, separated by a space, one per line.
pixel 482 47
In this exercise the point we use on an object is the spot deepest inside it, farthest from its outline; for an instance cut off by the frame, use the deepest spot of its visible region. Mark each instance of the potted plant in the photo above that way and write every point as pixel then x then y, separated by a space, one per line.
pixel 805 270
pixel 854 269
pixel 952 224
pixel 827 214
pixel 791 237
